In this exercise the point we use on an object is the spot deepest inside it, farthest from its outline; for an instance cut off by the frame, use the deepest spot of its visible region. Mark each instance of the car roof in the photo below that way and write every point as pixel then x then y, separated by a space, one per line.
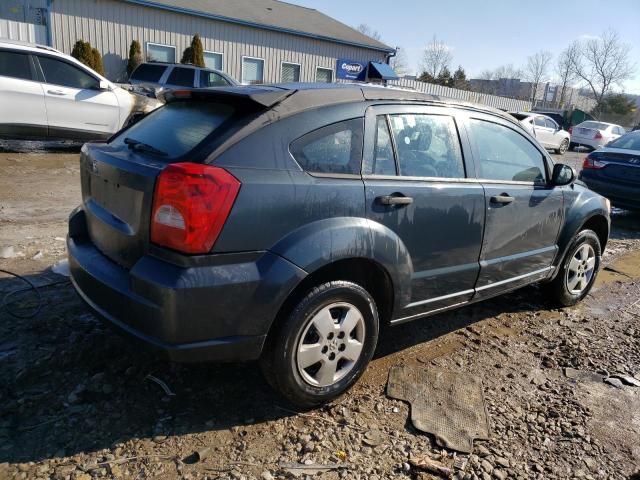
pixel 303 96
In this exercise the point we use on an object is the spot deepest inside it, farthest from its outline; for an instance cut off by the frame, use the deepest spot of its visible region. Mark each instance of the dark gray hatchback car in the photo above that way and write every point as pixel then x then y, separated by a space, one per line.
pixel 288 223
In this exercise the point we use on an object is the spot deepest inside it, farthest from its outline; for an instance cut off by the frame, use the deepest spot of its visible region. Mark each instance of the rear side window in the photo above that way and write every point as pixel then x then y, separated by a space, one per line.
pixel 336 148
pixel 211 79
pixel 178 127
pixel 182 77
pixel 148 73
pixel 550 123
pixel 61 73
pixel 427 146
pixel 506 155
pixel 15 65
pixel 383 159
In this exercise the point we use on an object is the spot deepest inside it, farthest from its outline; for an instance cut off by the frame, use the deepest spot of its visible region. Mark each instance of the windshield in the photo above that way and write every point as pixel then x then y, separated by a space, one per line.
pixel 177 128
pixel 595 125
pixel 630 141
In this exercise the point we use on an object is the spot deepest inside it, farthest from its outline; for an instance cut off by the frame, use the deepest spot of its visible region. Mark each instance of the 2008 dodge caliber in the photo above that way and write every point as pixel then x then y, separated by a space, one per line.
pixel 288 223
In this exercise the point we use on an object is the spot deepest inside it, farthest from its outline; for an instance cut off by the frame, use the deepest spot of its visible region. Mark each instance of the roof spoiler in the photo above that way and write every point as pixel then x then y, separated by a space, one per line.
pixel 265 97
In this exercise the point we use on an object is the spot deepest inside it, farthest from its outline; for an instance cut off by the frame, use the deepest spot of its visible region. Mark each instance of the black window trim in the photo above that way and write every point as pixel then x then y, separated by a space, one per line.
pixel 63 60
pixel 32 65
pixel 498 121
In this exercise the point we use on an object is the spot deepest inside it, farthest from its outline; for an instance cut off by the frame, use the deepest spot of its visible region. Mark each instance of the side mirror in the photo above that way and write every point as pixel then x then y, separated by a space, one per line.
pixel 103 85
pixel 562 175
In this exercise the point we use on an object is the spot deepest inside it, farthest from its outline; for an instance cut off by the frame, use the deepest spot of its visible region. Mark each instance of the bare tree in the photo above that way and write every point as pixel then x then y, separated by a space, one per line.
pixel 400 62
pixel 565 72
pixel 369 32
pixel 437 56
pixel 536 71
pixel 601 64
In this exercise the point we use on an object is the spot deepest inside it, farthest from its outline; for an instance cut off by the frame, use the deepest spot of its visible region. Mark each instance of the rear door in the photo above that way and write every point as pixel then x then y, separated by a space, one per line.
pixel 555 138
pixel 76 107
pixel 523 214
pixel 22 107
pixel 416 184
pixel 543 133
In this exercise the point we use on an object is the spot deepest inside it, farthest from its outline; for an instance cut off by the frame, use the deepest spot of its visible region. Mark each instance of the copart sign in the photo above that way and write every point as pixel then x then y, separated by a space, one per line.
pixel 351 69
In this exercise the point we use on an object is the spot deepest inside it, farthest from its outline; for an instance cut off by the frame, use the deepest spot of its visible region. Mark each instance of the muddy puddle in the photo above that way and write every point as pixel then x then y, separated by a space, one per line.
pixel 623 269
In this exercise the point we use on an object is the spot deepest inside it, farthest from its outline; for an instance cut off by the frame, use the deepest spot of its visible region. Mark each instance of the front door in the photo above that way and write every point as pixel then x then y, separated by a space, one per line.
pixel 416 185
pixel 76 107
pixel 523 213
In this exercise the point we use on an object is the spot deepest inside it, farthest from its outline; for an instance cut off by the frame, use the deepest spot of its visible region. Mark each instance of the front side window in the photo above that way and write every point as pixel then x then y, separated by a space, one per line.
pixel 161 53
pixel 213 60
pixel 252 70
pixel 506 155
pixel 61 73
pixel 290 72
pixel 211 79
pixel 324 75
pixel 427 146
pixel 181 77
pixel 148 72
pixel 15 65
pixel 336 148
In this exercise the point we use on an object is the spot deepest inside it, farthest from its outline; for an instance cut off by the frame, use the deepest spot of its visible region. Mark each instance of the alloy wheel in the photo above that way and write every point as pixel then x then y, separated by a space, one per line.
pixel 330 344
pixel 581 269
pixel 564 146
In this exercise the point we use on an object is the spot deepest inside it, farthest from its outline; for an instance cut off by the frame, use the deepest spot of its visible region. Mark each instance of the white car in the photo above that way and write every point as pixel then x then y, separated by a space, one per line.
pixel 45 94
pixel 594 134
pixel 546 130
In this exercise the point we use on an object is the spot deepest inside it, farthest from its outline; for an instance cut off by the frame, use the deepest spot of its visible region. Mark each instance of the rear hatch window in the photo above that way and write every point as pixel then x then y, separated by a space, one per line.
pixel 176 129
pixel 148 73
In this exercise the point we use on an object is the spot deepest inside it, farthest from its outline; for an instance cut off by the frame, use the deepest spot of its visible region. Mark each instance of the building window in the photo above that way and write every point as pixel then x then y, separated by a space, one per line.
pixel 252 70
pixel 160 53
pixel 213 60
pixel 290 72
pixel 324 75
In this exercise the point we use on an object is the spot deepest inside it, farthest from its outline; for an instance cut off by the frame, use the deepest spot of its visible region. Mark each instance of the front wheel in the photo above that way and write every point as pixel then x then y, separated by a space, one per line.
pixel 323 346
pixel 564 146
pixel 578 270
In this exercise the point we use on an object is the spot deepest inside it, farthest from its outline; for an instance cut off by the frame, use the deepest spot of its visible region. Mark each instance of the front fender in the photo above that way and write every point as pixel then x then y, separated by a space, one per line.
pixel 580 206
pixel 327 241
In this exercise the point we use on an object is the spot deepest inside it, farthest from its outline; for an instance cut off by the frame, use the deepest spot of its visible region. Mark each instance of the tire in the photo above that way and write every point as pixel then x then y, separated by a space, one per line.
pixel 347 320
pixel 564 146
pixel 572 146
pixel 578 270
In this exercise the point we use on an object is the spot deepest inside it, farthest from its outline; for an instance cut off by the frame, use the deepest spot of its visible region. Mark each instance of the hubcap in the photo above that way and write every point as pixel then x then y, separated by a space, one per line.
pixel 563 146
pixel 581 269
pixel 330 344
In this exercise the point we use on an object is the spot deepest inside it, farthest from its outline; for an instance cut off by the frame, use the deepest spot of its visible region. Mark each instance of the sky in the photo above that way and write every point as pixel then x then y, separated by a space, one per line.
pixel 483 35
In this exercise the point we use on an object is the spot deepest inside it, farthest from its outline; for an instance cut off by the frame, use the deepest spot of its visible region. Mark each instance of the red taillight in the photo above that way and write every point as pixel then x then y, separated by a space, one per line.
pixel 598 135
pixel 591 164
pixel 190 205
pixel 570 130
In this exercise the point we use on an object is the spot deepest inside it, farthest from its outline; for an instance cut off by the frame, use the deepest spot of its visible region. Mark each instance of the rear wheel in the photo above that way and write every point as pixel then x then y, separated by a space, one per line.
pixel 564 146
pixel 578 270
pixel 323 346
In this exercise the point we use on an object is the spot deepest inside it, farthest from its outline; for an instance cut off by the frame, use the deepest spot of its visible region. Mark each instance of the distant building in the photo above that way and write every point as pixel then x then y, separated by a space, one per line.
pixel 254 41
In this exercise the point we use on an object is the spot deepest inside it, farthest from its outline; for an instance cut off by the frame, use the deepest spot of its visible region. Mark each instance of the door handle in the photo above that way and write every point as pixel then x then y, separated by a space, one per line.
pixel 502 199
pixel 56 92
pixel 394 200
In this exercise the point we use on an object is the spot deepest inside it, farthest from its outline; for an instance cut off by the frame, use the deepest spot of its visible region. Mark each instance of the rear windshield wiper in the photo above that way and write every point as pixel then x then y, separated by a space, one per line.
pixel 144 147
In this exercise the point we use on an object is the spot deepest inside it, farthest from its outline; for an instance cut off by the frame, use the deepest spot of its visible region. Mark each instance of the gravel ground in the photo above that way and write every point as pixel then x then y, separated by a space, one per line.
pixel 79 402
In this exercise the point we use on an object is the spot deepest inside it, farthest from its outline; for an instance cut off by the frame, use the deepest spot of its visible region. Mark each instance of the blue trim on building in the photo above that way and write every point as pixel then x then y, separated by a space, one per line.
pixel 245 23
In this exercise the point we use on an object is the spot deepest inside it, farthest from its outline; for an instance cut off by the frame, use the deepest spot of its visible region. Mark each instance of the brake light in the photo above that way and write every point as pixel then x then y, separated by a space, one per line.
pixel 190 206
pixel 598 135
pixel 592 164
pixel 570 130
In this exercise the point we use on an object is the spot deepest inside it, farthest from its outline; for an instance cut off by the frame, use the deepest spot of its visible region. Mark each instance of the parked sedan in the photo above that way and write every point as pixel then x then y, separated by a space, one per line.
pixel 290 223
pixel 614 171
pixel 594 134
pixel 47 95
pixel 545 129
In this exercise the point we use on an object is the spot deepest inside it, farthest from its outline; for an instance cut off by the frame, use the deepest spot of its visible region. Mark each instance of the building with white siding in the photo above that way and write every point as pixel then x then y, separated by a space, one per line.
pixel 252 40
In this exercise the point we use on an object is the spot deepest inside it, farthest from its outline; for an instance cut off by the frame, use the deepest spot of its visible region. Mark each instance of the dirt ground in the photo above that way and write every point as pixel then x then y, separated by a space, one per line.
pixel 78 402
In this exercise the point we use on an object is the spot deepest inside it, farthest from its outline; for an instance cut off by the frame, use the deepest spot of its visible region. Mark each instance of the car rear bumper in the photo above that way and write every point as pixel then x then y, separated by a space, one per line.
pixel 218 311
pixel 587 142
pixel 621 196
